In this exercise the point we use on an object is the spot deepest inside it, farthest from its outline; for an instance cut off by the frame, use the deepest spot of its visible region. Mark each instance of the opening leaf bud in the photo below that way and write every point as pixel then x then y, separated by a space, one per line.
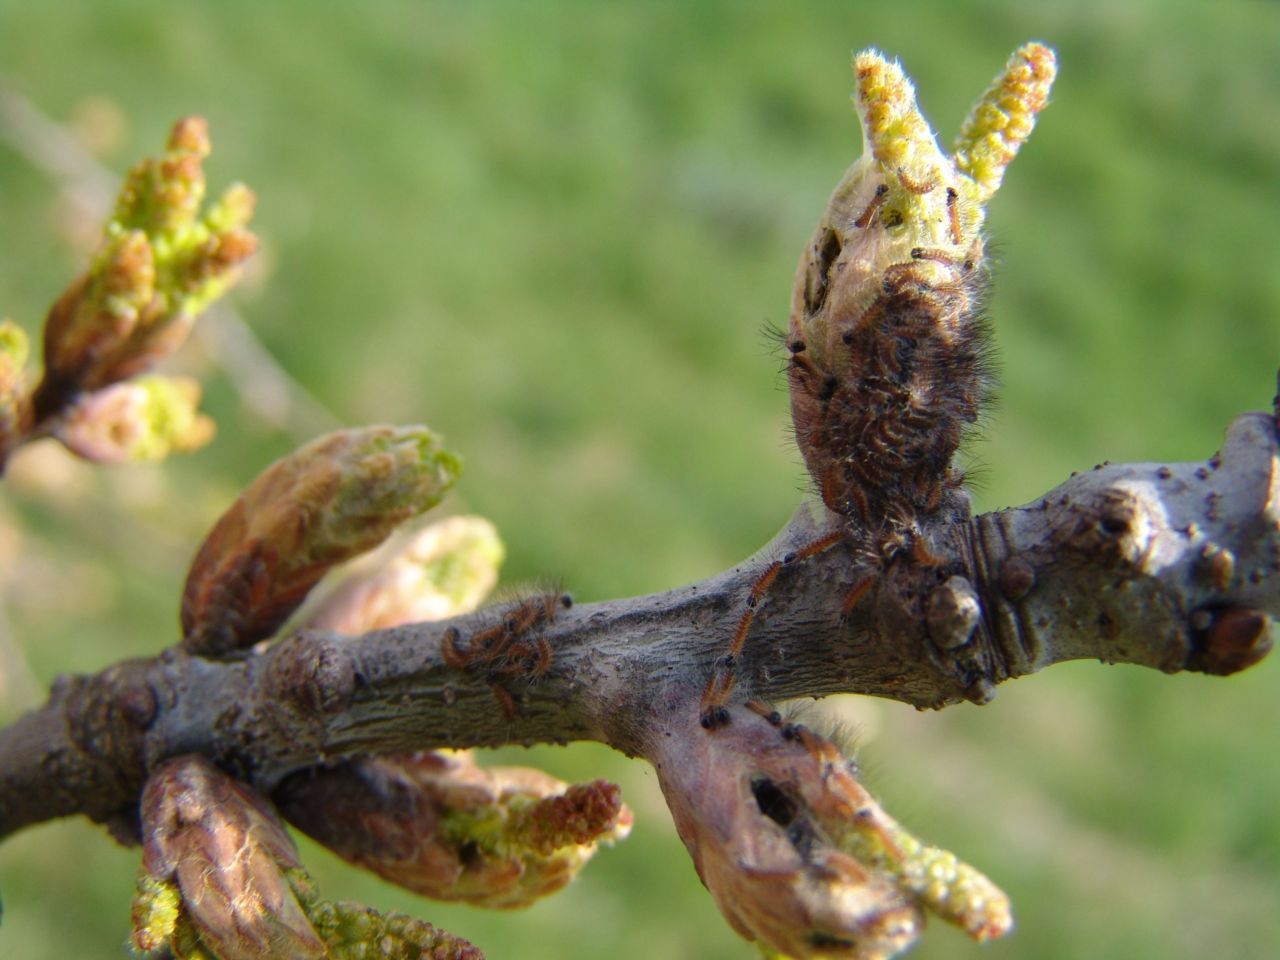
pixel 438 824
pixel 335 498
pixel 147 418
pixel 425 571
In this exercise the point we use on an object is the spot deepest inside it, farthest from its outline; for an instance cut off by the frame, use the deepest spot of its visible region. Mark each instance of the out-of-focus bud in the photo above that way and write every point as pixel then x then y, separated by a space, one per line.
pixel 160 264
pixel 15 349
pixel 195 254
pixel 423 572
pixel 14 406
pixel 443 827
pixel 329 501
pixel 162 195
pixel 233 210
pixel 797 854
pixel 220 846
pixel 91 321
pixel 148 418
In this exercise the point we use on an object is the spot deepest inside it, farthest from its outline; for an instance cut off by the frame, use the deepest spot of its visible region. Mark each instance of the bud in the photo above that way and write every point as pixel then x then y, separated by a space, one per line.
pixel 332 500
pixel 221 879
pixel 221 847
pixel 147 418
pixel 205 270
pixel 797 854
pixel 889 359
pixel 97 314
pixel 443 827
pixel 934 878
pixel 162 196
pixel 767 857
pixel 423 572
pixel 159 265
pixel 233 210
pixel 14 406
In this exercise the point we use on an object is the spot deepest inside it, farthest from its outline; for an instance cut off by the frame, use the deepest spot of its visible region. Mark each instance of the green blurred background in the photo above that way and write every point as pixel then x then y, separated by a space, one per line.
pixel 555 231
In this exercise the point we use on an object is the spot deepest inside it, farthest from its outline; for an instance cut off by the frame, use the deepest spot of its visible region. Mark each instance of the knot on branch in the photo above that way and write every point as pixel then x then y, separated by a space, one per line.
pixel 1112 527
pixel 312 672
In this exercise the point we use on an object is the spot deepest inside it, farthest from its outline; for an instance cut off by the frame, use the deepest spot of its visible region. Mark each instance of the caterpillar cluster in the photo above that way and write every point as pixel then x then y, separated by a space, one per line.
pixel 880 418
pixel 889 358
pixel 513 648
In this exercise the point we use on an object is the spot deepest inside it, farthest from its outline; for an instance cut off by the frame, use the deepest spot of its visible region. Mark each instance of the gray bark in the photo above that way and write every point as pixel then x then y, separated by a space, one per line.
pixel 1167 566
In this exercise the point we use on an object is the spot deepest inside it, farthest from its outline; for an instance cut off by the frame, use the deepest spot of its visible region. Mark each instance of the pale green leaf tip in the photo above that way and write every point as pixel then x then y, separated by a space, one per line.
pixel 15 346
pixel 147 418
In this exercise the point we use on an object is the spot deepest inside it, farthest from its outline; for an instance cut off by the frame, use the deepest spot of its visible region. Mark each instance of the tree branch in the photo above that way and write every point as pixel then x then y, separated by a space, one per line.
pixel 1166 566
pixel 881 584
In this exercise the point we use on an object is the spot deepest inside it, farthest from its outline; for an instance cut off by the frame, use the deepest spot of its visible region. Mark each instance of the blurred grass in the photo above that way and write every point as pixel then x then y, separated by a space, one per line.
pixel 554 232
